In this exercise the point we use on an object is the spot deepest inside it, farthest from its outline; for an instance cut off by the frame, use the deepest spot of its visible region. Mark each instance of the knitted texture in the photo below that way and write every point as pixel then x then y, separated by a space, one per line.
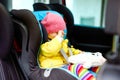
pixel 82 73
pixel 95 69
pixel 53 23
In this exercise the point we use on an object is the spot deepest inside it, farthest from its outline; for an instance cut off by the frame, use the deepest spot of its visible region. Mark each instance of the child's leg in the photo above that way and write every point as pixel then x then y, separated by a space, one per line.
pixel 82 73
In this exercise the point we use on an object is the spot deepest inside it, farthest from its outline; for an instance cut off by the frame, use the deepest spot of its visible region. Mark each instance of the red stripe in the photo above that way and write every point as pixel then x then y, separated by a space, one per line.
pixel 80 69
pixel 69 67
pixel 91 78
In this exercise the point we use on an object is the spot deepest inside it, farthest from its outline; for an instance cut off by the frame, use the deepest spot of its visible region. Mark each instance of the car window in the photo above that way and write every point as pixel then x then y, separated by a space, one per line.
pixel 87 12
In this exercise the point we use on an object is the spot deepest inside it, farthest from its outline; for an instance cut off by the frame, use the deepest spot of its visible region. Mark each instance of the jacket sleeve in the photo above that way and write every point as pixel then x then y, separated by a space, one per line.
pixel 52 47
pixel 75 51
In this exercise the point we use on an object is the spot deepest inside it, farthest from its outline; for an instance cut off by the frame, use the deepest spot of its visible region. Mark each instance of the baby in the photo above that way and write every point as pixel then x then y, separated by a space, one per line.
pixel 50 52
pixel 55 53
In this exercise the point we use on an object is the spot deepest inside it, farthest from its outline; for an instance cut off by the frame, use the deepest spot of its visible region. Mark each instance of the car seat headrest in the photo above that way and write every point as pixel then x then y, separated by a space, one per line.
pixel 6 32
pixel 40 7
pixel 29 20
pixel 41 14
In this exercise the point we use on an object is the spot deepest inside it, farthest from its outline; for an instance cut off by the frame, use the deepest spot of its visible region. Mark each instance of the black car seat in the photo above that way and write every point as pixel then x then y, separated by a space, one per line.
pixel 9 68
pixel 29 61
pixel 20 43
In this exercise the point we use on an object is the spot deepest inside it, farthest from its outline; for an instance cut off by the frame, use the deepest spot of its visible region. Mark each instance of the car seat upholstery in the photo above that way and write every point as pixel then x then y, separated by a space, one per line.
pixel 29 60
pixel 20 43
pixel 9 68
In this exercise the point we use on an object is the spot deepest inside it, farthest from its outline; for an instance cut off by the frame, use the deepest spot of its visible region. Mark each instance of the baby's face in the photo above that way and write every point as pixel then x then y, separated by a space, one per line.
pixel 53 35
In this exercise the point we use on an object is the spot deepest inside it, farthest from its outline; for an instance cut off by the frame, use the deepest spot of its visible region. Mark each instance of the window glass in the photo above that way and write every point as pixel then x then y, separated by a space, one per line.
pixel 42 1
pixel 22 4
pixel 86 12
pixel 26 4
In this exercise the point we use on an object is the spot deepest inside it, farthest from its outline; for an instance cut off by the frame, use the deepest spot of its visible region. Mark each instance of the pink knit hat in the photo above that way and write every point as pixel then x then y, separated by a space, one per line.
pixel 53 23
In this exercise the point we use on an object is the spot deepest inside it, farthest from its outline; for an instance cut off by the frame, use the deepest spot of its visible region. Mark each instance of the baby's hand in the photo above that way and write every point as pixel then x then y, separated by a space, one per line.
pixel 61 33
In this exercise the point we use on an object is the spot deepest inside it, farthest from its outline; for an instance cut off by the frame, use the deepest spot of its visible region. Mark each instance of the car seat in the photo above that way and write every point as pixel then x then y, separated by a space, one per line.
pixel 9 68
pixel 29 61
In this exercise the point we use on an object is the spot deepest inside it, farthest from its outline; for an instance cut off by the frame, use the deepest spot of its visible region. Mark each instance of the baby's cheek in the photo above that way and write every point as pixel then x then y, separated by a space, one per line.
pixel 52 35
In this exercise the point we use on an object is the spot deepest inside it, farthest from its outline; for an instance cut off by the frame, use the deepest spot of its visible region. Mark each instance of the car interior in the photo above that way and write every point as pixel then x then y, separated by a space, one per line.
pixel 21 35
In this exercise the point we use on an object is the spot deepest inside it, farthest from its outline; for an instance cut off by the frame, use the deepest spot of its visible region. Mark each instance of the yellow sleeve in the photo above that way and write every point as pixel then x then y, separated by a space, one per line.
pixel 65 45
pixel 75 51
pixel 51 48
